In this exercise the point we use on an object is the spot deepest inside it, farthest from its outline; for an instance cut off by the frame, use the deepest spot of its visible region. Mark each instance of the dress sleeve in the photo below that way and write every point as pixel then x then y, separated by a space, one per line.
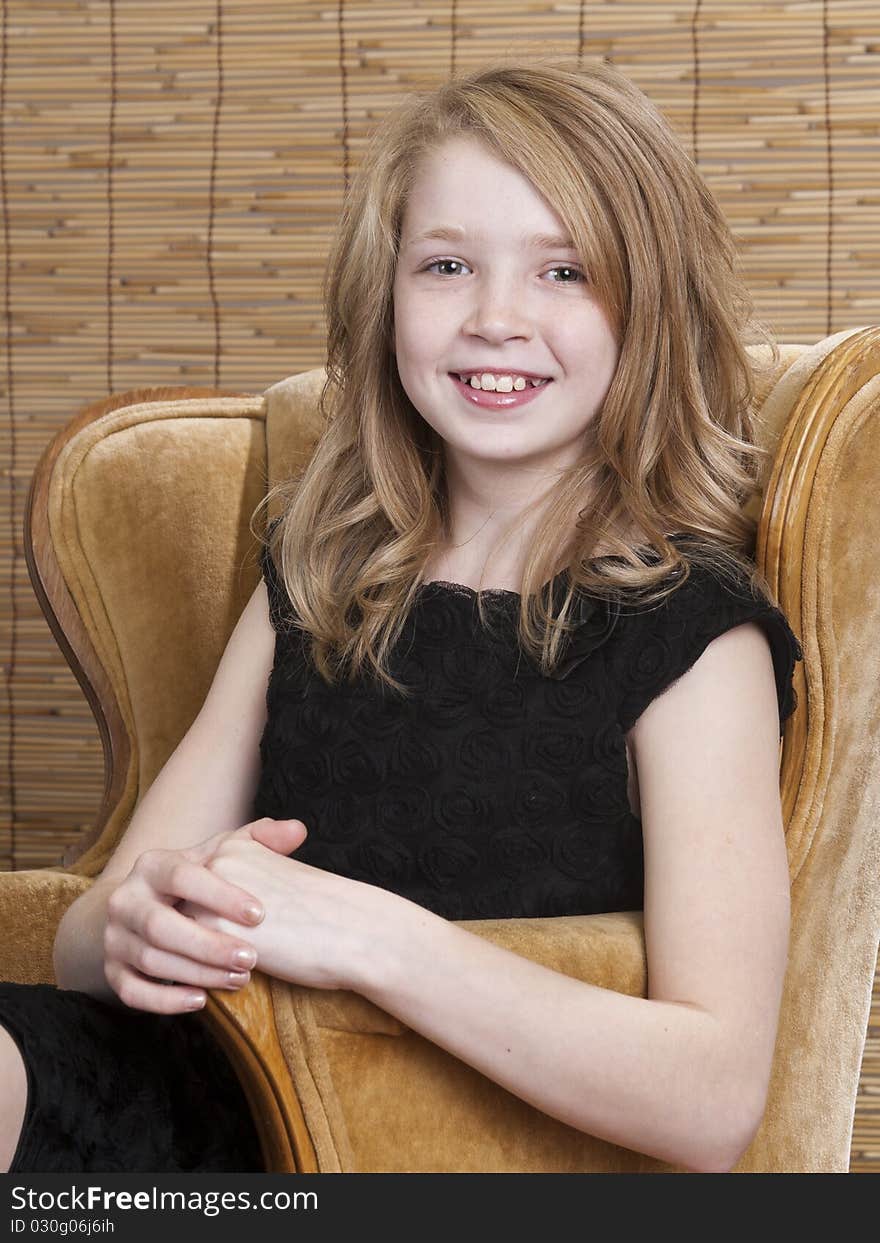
pixel 665 640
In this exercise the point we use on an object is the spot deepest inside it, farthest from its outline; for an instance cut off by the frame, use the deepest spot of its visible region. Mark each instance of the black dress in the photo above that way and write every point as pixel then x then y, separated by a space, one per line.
pixel 493 791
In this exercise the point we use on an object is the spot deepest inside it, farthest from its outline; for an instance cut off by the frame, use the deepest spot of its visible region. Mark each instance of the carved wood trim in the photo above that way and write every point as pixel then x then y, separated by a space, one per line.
pixel 782 531
pixel 243 1022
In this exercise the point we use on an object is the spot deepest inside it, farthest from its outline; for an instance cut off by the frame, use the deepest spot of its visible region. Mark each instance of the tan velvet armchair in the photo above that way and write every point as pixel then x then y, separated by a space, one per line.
pixel 142 585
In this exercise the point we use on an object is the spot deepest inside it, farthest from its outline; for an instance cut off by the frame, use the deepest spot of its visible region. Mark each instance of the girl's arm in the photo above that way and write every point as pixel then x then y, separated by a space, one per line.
pixel 206 788
pixel 681 1075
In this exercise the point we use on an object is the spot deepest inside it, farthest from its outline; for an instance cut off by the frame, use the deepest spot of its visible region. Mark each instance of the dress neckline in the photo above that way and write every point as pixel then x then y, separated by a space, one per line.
pixel 462 589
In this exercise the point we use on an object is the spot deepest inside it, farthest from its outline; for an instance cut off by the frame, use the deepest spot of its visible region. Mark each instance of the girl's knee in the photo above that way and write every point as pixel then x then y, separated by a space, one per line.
pixel 13 1092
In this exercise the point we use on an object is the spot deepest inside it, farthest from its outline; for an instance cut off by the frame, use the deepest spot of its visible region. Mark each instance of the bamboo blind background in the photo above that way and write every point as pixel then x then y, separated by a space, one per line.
pixel 170 175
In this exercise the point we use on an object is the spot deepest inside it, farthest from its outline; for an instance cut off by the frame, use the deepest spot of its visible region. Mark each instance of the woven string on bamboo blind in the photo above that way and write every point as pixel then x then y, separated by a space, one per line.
pixel 170 175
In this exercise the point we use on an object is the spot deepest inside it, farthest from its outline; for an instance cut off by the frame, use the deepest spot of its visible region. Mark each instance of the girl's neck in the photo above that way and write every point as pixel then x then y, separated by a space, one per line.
pixel 476 566
pixel 447 568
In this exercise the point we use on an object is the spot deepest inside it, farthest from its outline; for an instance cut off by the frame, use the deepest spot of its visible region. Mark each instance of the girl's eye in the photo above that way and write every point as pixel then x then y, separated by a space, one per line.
pixel 577 274
pixel 568 268
pixel 438 262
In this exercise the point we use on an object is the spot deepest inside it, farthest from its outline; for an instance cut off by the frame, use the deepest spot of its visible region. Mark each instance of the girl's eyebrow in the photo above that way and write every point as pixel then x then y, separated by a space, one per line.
pixel 452 233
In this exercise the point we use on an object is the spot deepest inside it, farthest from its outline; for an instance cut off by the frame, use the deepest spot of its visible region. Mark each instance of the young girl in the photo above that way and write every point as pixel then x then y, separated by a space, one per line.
pixel 519 663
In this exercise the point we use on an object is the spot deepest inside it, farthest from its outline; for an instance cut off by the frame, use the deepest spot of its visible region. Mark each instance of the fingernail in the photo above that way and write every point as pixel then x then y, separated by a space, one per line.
pixel 253 912
pixel 194 1001
pixel 238 977
pixel 244 958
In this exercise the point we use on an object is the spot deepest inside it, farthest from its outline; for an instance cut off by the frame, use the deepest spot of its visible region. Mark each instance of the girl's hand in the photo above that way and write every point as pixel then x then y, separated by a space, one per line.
pixel 148 942
pixel 320 928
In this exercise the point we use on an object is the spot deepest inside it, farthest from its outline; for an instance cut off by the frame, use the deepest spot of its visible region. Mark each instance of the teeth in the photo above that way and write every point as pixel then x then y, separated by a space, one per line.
pixel 499 384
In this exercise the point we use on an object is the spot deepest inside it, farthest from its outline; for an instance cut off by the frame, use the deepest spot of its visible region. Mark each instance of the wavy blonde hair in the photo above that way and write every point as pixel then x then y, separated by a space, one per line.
pixel 672 449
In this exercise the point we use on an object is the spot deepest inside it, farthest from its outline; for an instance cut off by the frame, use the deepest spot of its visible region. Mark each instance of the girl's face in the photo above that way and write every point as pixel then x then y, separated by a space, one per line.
pixel 490 298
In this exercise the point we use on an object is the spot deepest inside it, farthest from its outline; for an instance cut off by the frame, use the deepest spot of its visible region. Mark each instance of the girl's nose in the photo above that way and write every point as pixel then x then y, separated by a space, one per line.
pixel 498 313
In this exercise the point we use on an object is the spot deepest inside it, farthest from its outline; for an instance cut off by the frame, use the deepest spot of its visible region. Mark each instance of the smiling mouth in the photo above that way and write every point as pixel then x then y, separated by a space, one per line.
pixel 495 399
pixel 524 382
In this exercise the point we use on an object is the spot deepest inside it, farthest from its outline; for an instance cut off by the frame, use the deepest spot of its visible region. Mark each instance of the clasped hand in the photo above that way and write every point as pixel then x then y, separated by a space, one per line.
pixel 176 923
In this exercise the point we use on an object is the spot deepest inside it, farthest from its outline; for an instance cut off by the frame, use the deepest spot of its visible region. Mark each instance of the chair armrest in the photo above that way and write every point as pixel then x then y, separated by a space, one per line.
pixel 275 1034
pixel 31 906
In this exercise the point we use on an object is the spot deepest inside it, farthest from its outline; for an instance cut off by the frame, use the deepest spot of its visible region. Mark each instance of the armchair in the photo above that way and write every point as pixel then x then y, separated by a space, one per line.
pixel 142 589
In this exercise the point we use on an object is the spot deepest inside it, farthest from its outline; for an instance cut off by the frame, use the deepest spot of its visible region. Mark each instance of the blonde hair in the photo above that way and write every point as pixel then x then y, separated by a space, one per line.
pixel 672 448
